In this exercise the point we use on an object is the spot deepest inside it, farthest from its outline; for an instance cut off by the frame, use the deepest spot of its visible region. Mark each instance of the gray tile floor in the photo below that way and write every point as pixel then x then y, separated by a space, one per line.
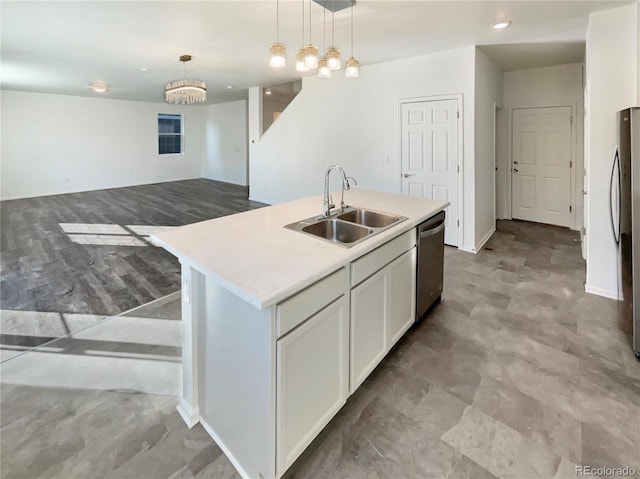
pixel 517 373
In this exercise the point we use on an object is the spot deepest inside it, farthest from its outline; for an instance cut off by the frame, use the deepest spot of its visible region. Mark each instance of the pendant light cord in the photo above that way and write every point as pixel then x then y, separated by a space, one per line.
pixel 302 2
pixel 324 29
pixel 333 24
pixel 309 22
pixel 277 21
pixel 352 29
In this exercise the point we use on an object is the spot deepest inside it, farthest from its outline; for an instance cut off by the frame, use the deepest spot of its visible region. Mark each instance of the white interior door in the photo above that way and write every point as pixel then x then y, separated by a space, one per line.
pixel 541 169
pixel 430 156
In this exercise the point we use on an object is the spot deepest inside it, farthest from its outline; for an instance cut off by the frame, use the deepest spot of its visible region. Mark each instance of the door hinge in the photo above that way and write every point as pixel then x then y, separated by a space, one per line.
pixel 457 114
pixel 458 223
pixel 570 209
pixel 571 164
pixel 571 119
pixel 458 169
pixel 584 231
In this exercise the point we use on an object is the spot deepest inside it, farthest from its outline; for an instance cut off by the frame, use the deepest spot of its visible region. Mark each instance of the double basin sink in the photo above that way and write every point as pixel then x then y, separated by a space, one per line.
pixel 347 228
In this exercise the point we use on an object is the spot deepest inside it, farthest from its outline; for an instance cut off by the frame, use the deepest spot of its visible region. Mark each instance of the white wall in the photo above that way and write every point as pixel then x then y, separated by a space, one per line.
pixel 559 85
pixel 488 95
pixel 59 144
pixel 226 156
pixel 355 123
pixel 612 75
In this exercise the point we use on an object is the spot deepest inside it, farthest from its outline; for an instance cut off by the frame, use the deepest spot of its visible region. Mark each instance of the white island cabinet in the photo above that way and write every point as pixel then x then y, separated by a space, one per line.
pixel 382 303
pixel 281 327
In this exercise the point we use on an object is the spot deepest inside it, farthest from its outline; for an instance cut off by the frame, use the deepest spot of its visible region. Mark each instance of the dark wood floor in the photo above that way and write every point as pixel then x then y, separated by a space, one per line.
pixel 42 269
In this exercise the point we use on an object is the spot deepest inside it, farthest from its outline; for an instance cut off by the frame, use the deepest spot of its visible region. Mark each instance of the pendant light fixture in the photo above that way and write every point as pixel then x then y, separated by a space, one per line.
pixel 324 71
pixel 186 91
pixel 278 51
pixel 333 54
pixel 300 65
pixel 310 51
pixel 352 66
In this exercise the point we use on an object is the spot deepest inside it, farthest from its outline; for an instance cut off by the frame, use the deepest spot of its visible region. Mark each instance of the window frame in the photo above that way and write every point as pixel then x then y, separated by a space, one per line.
pixel 170 116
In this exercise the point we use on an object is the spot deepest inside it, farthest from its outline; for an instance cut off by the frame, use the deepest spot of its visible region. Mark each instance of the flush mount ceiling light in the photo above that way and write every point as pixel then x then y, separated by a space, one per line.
pixel 278 51
pixel 186 91
pixel 267 91
pixel 99 87
pixel 501 24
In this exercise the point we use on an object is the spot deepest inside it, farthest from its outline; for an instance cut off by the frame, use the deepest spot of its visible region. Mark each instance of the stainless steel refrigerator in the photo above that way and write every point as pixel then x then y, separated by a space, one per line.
pixel 625 218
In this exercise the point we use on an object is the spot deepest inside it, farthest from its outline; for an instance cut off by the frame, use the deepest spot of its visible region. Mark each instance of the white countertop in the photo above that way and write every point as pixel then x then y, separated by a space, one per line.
pixel 252 255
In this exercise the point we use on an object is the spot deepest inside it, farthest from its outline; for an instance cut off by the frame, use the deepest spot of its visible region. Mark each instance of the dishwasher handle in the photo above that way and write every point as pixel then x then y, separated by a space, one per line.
pixel 432 231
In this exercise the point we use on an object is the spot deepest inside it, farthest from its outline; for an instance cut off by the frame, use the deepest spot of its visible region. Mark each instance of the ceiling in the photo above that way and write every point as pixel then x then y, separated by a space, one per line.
pixel 62 47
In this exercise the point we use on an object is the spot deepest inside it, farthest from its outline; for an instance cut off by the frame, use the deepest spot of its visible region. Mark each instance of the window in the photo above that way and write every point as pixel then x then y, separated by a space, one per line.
pixel 169 134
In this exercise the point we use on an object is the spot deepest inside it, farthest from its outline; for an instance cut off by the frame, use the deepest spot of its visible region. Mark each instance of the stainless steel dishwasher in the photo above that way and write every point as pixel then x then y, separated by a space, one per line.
pixel 430 263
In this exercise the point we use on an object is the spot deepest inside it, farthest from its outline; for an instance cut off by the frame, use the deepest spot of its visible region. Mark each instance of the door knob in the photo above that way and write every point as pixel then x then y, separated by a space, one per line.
pixel 515 162
pixel 515 170
pixel 407 175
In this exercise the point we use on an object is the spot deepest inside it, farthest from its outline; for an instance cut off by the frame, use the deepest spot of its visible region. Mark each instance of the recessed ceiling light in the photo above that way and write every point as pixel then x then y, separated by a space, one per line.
pixel 144 69
pixel 229 87
pixel 501 24
pixel 99 88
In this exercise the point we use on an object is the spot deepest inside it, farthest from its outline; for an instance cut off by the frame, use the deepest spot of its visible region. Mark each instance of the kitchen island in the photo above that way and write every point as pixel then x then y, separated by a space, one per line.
pixel 281 327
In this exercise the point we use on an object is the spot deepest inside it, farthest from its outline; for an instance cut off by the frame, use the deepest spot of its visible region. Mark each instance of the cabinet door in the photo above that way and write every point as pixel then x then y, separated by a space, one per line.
pixel 368 326
pixel 312 379
pixel 402 296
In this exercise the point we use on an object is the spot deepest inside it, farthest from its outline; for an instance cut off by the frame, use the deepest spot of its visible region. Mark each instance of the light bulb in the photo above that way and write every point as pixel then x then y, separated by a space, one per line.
pixel 352 68
pixel 333 58
pixel 300 66
pixel 311 56
pixel 323 68
pixel 278 55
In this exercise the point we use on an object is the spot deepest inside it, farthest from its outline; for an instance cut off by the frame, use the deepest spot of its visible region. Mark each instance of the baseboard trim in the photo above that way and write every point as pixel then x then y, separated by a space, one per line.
pixel 190 415
pixel 484 239
pixel 480 244
pixel 101 188
pixel 607 293
pixel 225 449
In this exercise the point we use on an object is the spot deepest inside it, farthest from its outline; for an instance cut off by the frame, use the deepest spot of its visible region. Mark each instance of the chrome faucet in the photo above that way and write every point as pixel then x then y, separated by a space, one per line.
pixel 327 204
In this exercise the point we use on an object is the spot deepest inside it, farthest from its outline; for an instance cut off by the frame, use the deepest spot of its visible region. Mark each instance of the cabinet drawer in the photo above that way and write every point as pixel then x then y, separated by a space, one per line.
pixel 293 311
pixel 364 267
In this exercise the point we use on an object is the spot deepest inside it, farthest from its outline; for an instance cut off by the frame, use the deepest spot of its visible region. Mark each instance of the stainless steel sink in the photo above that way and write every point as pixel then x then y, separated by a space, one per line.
pixel 347 228
pixel 369 218
pixel 339 231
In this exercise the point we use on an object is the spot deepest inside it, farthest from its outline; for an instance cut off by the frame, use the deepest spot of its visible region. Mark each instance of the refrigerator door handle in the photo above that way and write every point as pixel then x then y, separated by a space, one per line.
pixel 616 162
